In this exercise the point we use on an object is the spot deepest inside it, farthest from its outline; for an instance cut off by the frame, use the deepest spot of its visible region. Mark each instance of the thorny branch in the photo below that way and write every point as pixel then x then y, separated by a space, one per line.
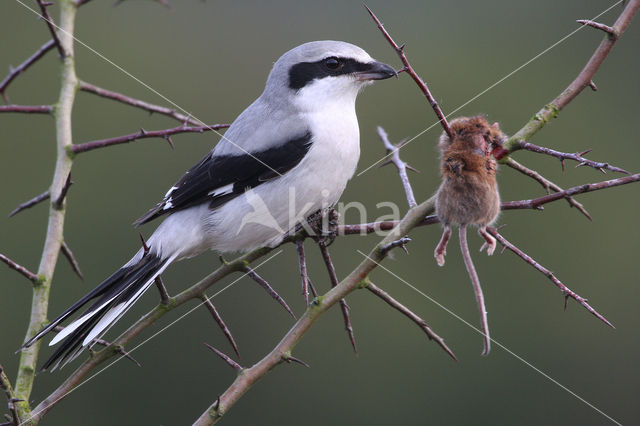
pixel 52 28
pixel 546 183
pixel 27 109
pixel 19 268
pixel 565 290
pixel 388 299
pixel 394 152
pixel 91 88
pixel 143 134
pixel 14 72
pixel 343 303
pixel 68 254
pixel 576 156
pixel 5 386
pixel 218 319
pixel 304 275
pixel 537 203
pixel 28 204
pixel 265 285
pixel 225 358
pixel 409 70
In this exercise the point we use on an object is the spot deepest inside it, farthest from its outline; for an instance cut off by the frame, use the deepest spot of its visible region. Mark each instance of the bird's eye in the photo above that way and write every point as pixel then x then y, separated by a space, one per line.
pixel 332 63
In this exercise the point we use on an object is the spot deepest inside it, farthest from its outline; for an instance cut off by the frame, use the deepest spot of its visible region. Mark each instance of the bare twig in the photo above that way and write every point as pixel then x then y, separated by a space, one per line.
pixel 565 290
pixel 612 33
pixel 218 319
pixel 402 242
pixel 44 14
pixel 5 385
pixel 387 298
pixel 117 349
pixel 409 70
pixel 32 202
pixel 536 203
pixel 265 285
pixel 304 276
pixel 184 119
pixel 546 183
pixel 164 294
pixel 393 151
pixel 225 358
pixel 583 80
pixel 334 282
pixel 577 156
pixel 143 134
pixel 27 109
pixel 14 72
pixel 68 254
pixel 19 268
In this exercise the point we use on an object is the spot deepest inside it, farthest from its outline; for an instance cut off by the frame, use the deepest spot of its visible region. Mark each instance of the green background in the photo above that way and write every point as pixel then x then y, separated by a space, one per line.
pixel 212 58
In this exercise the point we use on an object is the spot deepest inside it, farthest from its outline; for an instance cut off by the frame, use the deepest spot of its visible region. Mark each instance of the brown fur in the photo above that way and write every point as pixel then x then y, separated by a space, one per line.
pixel 469 190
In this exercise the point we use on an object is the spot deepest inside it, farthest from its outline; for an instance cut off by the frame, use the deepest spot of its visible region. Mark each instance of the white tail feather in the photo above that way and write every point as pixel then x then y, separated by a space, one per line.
pixel 113 315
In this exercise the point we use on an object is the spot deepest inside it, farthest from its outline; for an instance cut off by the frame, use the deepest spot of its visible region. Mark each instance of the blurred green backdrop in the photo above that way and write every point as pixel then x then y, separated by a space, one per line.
pixel 213 58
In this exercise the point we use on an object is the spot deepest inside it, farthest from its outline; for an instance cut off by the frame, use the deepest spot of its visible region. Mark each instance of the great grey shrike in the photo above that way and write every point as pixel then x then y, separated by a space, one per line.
pixel 300 139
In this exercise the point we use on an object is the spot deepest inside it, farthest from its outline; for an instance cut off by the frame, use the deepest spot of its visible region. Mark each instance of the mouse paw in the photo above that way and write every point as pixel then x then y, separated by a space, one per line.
pixel 490 243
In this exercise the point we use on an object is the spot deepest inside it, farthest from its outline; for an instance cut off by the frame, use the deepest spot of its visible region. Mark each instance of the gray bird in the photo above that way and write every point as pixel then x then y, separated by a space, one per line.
pixel 286 156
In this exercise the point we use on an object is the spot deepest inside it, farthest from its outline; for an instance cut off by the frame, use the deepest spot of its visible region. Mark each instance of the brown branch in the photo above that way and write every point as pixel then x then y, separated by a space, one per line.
pixel 546 183
pixel 226 358
pixel 14 72
pixel 584 79
pixel 143 134
pixel 32 202
pixel 5 385
pixel 19 268
pixel 577 156
pixel 565 290
pixel 402 243
pixel 265 285
pixel 184 119
pixel 334 282
pixel 409 70
pixel 387 298
pixel 304 276
pixel 612 33
pixel 536 203
pixel 52 27
pixel 27 109
pixel 218 319
pixel 164 294
pixel 401 166
pixel 68 254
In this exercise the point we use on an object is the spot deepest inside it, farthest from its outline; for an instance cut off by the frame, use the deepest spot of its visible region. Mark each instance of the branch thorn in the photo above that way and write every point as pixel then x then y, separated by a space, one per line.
pixel 226 358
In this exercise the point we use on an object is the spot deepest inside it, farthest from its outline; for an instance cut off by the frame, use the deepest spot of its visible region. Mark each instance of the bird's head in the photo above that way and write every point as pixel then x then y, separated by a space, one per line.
pixel 323 72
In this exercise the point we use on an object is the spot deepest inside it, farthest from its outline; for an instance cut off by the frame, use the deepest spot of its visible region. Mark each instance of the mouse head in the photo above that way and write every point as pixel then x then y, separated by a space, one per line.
pixel 473 133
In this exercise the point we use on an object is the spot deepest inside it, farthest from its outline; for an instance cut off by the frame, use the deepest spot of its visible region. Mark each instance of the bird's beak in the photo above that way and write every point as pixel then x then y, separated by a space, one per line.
pixel 375 71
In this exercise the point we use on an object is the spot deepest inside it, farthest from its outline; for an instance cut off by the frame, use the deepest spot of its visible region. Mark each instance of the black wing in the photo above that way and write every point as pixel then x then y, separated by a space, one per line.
pixel 221 178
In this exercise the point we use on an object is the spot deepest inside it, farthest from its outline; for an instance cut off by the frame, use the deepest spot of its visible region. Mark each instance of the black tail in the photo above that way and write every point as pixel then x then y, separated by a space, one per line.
pixel 113 297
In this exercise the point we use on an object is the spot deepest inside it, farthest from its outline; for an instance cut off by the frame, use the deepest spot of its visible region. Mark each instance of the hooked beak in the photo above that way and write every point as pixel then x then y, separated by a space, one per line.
pixel 376 71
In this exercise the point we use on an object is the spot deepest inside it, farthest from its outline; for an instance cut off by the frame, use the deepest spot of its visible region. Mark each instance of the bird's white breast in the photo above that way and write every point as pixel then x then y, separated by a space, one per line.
pixel 264 214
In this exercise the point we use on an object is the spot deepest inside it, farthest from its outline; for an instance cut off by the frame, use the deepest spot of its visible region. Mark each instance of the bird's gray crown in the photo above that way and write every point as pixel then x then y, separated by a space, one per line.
pixel 302 64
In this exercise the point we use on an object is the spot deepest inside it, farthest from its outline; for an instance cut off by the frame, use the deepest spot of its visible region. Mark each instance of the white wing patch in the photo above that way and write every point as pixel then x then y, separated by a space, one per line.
pixel 227 189
pixel 173 188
